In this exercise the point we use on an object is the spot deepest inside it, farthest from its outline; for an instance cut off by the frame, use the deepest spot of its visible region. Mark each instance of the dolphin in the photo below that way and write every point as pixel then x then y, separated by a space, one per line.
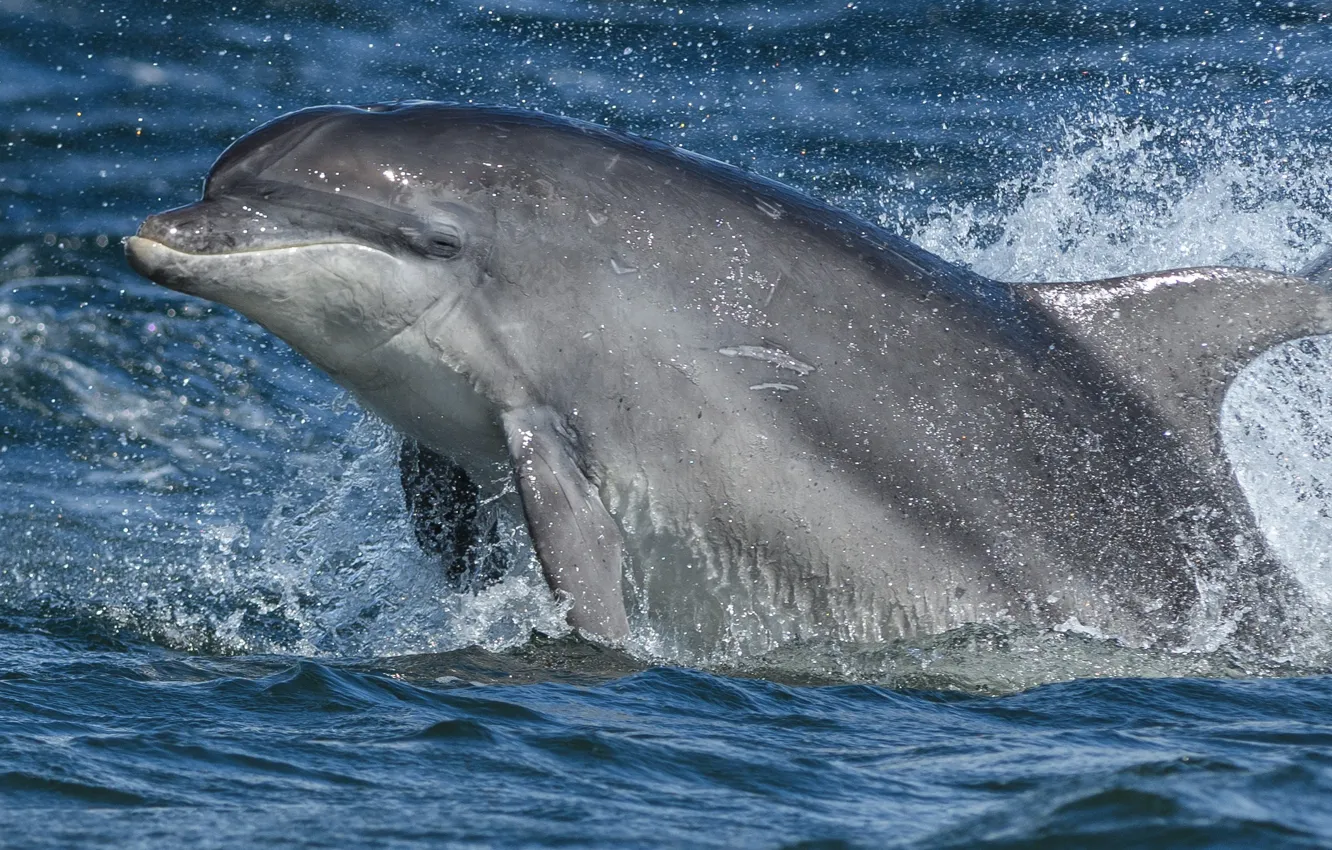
pixel 732 415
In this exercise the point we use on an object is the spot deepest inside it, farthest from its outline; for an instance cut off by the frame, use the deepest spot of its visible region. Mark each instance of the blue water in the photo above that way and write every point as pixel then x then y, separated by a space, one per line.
pixel 126 745
pixel 216 630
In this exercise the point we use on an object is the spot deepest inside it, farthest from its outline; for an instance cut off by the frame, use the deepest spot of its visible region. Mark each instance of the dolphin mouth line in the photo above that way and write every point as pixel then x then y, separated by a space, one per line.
pixel 130 240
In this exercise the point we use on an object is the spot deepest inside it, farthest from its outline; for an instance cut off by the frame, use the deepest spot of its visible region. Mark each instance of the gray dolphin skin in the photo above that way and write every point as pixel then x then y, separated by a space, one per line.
pixel 734 416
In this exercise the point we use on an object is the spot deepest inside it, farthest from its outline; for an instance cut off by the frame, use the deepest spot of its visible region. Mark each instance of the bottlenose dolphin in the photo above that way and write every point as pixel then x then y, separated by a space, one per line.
pixel 732 414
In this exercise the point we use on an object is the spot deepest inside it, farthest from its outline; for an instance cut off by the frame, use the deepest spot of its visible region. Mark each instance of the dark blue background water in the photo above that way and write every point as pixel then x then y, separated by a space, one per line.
pixel 215 629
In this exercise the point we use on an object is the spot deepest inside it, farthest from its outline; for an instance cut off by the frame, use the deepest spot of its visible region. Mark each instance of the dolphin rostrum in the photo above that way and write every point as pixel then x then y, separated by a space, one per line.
pixel 733 415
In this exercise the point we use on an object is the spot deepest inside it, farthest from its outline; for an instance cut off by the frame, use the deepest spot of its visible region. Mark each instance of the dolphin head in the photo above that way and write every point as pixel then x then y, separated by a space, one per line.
pixel 332 234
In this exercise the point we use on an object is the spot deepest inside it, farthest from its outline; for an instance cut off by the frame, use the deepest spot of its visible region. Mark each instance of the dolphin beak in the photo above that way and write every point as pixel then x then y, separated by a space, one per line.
pixel 173 248
pixel 159 263
pixel 137 253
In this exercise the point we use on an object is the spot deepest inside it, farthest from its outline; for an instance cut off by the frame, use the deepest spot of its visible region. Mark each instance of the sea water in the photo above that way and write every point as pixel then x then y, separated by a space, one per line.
pixel 216 629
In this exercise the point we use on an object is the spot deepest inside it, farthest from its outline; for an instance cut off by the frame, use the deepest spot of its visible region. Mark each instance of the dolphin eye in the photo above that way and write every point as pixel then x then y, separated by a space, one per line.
pixel 444 243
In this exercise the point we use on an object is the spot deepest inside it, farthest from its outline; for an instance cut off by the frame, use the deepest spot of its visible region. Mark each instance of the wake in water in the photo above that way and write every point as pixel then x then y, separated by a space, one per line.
pixel 260 517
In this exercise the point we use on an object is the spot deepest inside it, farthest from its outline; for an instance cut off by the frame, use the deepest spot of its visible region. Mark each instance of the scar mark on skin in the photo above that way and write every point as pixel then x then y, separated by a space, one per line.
pixel 775 356
pixel 772 290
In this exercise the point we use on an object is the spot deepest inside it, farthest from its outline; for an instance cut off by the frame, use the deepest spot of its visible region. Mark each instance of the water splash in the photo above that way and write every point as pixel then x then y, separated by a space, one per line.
pixel 174 472
pixel 1119 196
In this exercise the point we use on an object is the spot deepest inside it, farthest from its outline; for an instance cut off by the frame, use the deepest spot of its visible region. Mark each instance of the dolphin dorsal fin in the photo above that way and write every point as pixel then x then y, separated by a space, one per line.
pixel 1177 338
pixel 1320 270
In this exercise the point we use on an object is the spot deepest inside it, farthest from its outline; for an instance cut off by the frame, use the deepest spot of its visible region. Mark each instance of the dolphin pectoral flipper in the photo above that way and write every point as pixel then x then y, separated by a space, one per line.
pixel 447 518
pixel 577 540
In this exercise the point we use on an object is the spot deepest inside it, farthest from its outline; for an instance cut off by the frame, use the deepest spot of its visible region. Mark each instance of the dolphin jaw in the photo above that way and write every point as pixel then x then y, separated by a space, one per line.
pixel 137 247
pixel 190 272
pixel 324 298
pixel 155 261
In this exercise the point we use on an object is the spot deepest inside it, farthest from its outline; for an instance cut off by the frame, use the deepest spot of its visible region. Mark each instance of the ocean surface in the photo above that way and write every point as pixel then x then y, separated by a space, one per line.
pixel 216 629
